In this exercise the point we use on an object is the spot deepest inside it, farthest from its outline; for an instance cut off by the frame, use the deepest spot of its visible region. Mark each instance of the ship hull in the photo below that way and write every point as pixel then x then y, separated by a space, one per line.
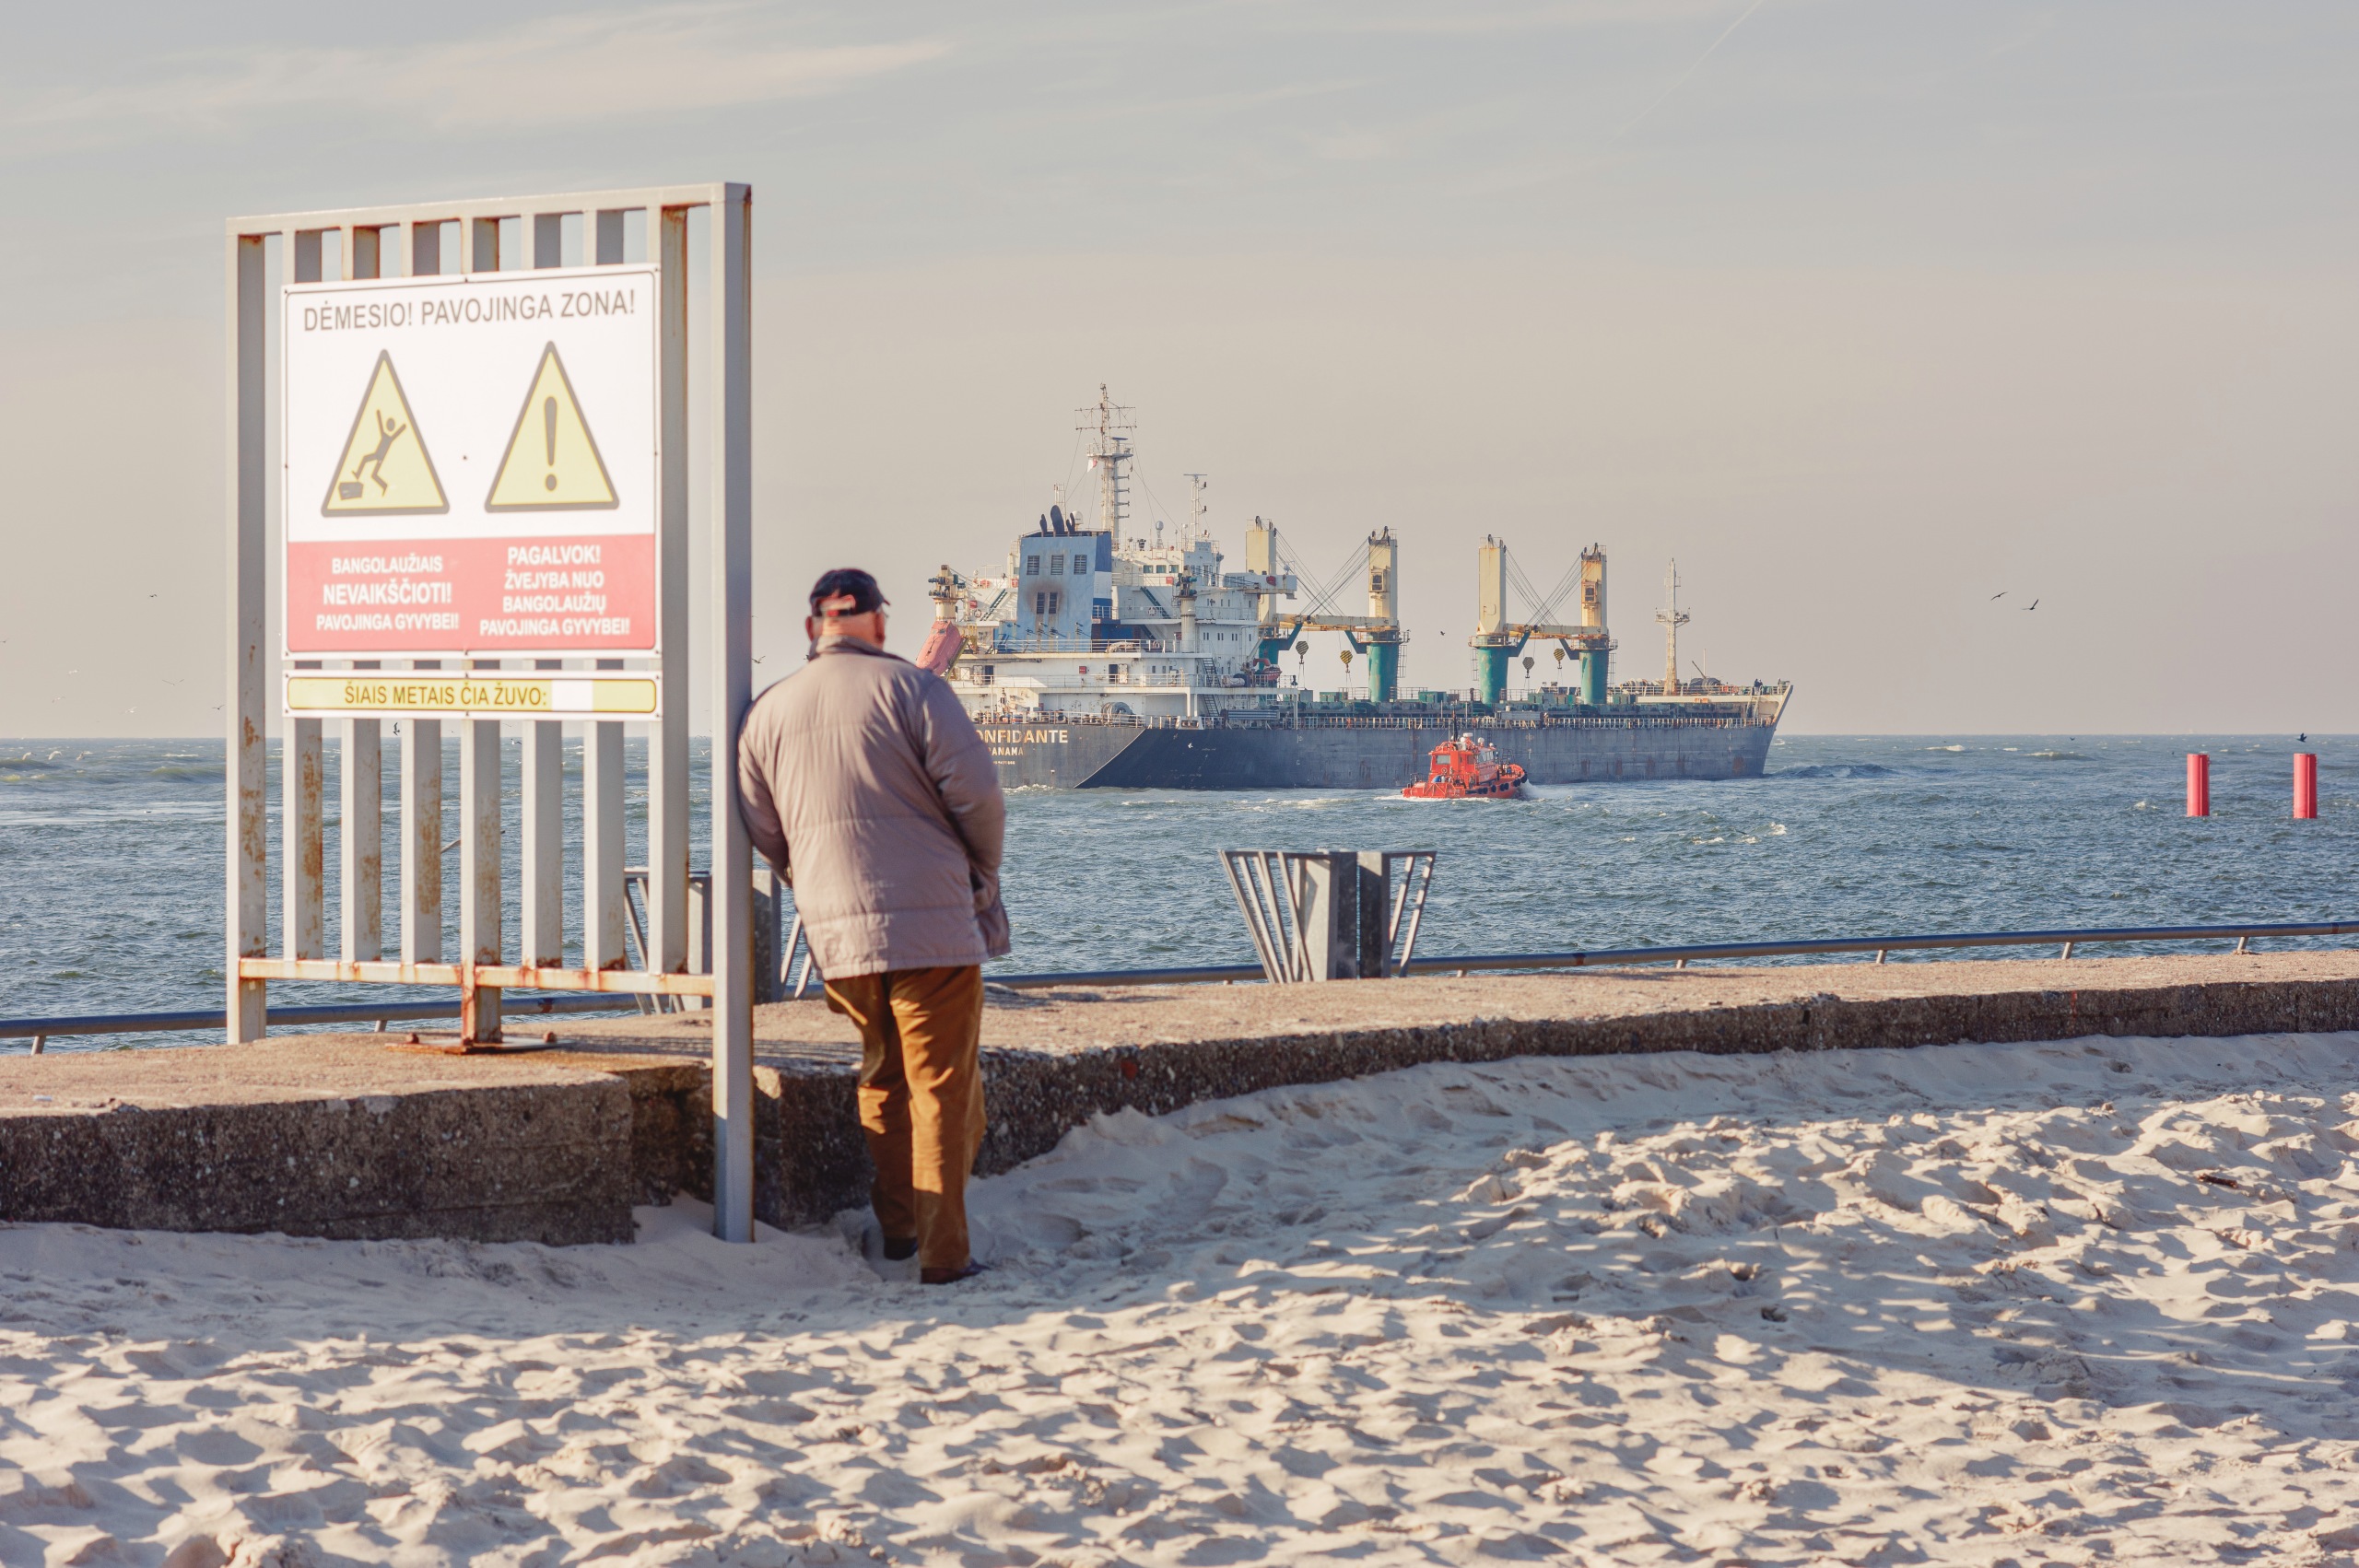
pixel 1119 756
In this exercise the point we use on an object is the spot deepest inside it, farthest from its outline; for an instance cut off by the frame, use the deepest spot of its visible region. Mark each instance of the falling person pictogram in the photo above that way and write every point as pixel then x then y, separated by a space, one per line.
pixel 350 489
pixel 385 468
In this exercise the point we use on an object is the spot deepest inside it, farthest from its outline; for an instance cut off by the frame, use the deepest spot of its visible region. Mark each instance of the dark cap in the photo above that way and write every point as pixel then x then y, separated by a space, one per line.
pixel 828 595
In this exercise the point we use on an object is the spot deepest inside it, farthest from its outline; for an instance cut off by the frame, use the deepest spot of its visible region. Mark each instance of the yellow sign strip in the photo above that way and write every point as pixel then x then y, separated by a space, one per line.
pixel 482 692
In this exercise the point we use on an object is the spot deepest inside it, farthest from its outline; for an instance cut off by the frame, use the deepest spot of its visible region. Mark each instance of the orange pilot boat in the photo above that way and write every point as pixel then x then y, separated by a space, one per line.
pixel 1466 768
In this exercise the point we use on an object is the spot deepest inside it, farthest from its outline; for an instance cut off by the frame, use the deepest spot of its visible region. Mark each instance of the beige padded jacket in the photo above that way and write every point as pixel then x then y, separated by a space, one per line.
pixel 864 782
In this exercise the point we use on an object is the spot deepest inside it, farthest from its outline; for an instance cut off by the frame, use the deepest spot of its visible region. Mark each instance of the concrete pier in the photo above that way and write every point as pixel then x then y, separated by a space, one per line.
pixel 362 1136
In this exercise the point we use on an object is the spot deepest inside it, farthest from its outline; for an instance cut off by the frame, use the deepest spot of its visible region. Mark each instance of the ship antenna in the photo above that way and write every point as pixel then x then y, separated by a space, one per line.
pixel 1197 485
pixel 1109 427
pixel 1671 621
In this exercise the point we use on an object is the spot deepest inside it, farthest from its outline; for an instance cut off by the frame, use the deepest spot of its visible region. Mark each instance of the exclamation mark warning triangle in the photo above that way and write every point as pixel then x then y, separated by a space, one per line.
pixel 385 469
pixel 552 461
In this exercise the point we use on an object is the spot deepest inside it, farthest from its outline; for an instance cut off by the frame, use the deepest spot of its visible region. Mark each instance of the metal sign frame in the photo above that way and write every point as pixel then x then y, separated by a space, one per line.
pixel 373 241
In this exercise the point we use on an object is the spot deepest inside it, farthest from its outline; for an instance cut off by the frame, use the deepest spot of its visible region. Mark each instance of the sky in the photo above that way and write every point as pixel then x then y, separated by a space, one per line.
pixel 1885 320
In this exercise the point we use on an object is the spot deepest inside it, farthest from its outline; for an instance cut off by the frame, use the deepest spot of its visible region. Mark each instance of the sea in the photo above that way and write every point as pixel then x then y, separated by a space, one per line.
pixel 112 874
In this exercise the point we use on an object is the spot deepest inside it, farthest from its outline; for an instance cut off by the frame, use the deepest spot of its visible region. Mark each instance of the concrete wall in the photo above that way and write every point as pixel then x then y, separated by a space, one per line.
pixel 541 1162
pixel 557 1147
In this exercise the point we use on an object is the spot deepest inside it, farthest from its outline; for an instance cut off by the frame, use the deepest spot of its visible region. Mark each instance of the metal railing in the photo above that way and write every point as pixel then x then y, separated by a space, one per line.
pixel 1681 957
pixel 1458 717
pixel 378 1013
pixel 1047 643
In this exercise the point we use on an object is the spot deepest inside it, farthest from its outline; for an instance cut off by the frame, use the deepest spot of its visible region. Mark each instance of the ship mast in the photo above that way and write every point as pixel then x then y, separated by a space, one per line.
pixel 1671 621
pixel 1196 487
pixel 1109 427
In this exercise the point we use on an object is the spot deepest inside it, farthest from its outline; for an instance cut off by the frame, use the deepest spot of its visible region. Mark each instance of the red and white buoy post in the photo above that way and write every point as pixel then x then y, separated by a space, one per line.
pixel 2306 785
pixel 2199 784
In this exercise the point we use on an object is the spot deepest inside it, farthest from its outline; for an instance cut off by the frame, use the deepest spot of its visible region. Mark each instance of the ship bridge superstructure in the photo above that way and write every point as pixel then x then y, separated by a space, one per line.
pixel 1088 622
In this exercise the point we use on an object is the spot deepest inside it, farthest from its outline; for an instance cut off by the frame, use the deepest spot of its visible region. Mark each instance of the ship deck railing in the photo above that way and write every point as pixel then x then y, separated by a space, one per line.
pixel 1444 718
pixel 1077 645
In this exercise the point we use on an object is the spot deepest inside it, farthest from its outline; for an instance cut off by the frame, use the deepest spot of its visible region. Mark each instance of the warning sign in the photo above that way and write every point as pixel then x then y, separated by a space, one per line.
pixel 385 468
pixel 546 697
pixel 552 462
pixel 472 465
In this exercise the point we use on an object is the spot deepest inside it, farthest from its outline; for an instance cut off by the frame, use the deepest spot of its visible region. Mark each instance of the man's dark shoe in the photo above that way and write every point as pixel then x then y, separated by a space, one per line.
pixel 951 1276
pixel 900 1249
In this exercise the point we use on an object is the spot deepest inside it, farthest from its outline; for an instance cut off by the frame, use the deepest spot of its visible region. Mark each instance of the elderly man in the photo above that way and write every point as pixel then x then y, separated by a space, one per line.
pixel 866 785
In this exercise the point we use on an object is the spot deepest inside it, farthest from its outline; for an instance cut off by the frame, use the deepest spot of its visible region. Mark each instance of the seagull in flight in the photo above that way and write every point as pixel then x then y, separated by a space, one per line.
pixel 2032 605
pixel 2001 594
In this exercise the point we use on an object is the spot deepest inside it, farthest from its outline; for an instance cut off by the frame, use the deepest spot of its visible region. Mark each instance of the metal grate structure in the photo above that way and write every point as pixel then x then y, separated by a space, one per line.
pixel 1330 914
pixel 475 239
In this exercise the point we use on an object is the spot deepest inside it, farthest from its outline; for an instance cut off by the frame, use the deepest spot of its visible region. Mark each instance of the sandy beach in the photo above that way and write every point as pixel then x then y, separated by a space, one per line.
pixel 2073 1303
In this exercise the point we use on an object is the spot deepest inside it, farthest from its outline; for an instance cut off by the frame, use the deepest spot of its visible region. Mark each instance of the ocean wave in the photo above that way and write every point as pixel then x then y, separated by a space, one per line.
pixel 2058 756
pixel 1838 770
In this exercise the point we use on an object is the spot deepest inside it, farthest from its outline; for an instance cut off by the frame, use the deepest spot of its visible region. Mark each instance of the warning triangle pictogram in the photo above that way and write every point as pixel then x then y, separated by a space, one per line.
pixel 552 461
pixel 385 469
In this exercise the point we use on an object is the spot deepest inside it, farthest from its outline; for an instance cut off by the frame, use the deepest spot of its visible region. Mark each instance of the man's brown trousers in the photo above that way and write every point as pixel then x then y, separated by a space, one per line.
pixel 921 1101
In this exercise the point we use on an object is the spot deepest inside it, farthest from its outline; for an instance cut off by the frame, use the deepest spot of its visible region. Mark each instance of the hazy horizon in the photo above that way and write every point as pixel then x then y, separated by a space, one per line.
pixel 1866 315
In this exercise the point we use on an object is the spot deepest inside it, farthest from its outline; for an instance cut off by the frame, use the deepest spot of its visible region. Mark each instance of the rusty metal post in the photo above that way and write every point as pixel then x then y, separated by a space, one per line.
pixel 482 245
pixel 602 844
pixel 302 920
pixel 247 903
pixel 422 835
pixel 543 848
pixel 729 889
pixel 480 833
pixel 426 247
pixel 360 841
pixel 667 747
pixel 478 1007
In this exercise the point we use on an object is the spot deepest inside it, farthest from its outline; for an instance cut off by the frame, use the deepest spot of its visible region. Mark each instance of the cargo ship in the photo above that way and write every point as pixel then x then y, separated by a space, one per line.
pixel 1094 657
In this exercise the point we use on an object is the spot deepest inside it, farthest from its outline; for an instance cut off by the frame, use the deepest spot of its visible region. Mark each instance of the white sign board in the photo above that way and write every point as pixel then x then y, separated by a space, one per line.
pixel 471 465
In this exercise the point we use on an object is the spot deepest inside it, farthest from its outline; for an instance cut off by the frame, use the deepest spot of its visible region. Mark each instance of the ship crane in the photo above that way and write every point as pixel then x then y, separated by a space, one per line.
pixel 1497 639
pixel 1376 634
pixel 951 593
